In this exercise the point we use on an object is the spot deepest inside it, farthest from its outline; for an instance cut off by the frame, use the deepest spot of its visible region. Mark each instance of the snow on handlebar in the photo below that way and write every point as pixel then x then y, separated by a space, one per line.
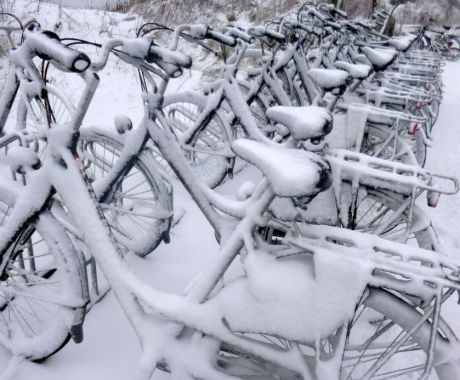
pixel 46 45
pixel 201 32
pixel 262 31
pixel 158 54
pixel 238 33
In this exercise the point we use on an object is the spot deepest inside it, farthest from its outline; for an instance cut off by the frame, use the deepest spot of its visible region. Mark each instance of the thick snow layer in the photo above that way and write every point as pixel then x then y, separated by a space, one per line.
pixel 291 172
pixel 379 57
pixel 402 42
pixel 312 283
pixel 303 122
pixel 357 71
pixel 328 78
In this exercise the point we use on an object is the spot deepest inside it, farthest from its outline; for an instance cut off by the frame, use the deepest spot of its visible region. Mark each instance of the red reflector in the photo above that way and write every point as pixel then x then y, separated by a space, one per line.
pixel 432 198
pixel 413 129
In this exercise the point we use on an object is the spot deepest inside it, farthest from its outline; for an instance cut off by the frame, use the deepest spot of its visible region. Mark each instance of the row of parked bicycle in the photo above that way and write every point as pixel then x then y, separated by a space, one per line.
pixel 341 275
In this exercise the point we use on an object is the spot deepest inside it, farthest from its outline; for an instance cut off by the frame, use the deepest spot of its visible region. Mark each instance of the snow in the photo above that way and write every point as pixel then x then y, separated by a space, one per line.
pixel 379 173
pixel 402 43
pixel 328 78
pixel 312 283
pixel 303 122
pixel 291 172
pixel 379 58
pixel 357 71
pixel 44 45
pixel 21 158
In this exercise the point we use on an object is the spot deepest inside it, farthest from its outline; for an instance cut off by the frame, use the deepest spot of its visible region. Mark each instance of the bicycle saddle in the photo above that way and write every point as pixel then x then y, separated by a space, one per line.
pixel 356 71
pixel 303 122
pixel 379 58
pixel 402 43
pixel 290 172
pixel 328 79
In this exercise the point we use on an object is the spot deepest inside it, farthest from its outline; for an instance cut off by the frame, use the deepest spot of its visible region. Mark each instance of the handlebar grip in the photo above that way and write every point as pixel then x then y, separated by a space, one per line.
pixel 314 12
pixel 262 31
pixel 340 13
pixel 222 38
pixel 351 27
pixel 298 25
pixel 241 34
pixel 333 25
pixel 158 54
pixel 46 45
pixel 363 24
pixel 197 31
pixel 172 70
pixel 275 35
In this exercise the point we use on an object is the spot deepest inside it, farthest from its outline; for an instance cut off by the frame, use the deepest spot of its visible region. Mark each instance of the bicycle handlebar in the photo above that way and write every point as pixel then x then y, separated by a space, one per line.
pixel 201 32
pixel 47 46
pixel 176 58
pixel 262 31
pixel 169 60
pixel 222 38
pixel 238 33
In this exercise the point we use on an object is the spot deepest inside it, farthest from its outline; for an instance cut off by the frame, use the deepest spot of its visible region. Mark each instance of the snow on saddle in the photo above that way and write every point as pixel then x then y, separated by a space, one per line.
pixel 356 71
pixel 303 122
pixel 402 43
pixel 290 172
pixel 328 79
pixel 379 58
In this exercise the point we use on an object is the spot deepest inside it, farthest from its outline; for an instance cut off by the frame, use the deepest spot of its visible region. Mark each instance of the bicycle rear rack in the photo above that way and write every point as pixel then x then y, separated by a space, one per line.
pixel 401 267
pixel 389 175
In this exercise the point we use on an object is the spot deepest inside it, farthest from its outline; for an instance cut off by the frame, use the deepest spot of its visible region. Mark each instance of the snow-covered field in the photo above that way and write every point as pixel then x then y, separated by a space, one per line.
pixel 110 349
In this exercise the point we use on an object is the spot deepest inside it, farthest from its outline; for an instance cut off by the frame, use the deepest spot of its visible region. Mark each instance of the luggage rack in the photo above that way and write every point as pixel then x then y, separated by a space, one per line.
pixel 389 175
pixel 401 266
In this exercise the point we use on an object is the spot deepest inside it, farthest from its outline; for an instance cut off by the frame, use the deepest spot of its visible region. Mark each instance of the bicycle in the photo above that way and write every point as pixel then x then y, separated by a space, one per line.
pixel 131 214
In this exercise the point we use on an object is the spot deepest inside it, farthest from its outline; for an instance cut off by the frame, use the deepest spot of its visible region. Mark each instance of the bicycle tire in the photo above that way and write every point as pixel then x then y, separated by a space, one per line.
pixel 378 305
pixel 43 288
pixel 452 52
pixel 384 203
pixel 135 229
pixel 204 152
pixel 33 118
pixel 375 143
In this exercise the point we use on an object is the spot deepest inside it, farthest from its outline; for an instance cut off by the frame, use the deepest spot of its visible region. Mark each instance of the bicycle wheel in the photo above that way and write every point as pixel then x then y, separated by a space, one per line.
pixel 208 151
pixel 53 110
pixel 380 320
pixel 380 141
pixel 42 289
pixel 375 214
pixel 139 209
pixel 258 107
pixel 452 53
pixel 434 111
pixel 417 144
pixel 294 88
